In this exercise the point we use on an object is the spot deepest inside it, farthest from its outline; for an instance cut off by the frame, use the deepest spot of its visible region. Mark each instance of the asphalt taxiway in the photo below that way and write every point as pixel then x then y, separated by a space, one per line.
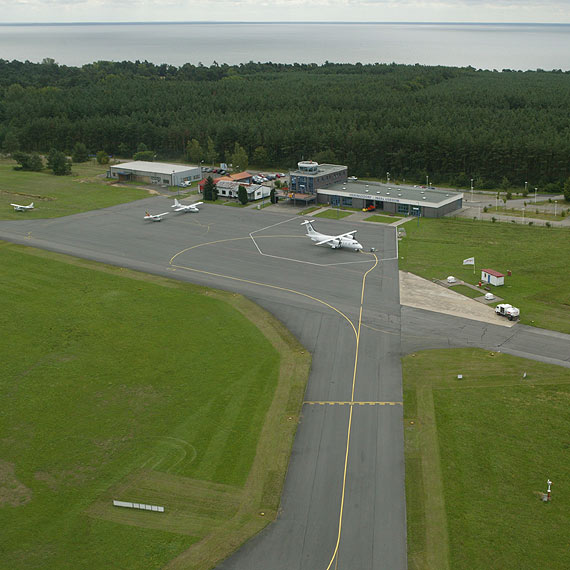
pixel 343 504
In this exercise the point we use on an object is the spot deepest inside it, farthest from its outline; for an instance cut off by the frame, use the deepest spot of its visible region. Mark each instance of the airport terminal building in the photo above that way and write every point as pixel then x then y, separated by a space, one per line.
pixel 329 184
pixel 310 176
pixel 391 199
pixel 154 172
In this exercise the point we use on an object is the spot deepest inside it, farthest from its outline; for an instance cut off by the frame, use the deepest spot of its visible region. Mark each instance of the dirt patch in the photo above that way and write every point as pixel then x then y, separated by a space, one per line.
pixel 64 478
pixel 12 492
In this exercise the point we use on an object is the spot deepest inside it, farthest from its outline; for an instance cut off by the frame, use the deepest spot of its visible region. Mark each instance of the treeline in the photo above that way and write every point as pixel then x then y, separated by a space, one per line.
pixel 451 124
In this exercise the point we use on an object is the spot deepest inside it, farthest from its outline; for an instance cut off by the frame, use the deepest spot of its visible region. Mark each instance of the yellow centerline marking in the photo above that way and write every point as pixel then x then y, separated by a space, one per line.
pixel 356 331
pixel 240 279
pixel 335 553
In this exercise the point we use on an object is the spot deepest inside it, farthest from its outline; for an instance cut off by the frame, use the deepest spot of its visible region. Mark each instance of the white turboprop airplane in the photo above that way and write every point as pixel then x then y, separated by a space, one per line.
pixel 178 207
pixel 154 217
pixel 20 208
pixel 336 242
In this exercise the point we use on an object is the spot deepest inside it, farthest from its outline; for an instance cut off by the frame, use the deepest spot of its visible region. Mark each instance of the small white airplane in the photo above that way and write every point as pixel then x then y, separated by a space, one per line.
pixel 155 217
pixel 178 207
pixel 336 242
pixel 20 208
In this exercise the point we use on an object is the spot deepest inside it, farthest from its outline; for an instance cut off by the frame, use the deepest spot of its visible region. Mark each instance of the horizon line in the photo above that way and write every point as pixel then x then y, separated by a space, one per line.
pixel 273 22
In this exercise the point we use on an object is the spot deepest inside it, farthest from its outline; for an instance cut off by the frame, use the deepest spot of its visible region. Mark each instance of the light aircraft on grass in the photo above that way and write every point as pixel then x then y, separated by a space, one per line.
pixel 178 207
pixel 155 217
pixel 336 242
pixel 20 208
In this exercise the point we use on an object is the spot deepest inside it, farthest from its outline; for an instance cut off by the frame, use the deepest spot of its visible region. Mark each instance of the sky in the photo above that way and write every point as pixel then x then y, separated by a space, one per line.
pixel 512 11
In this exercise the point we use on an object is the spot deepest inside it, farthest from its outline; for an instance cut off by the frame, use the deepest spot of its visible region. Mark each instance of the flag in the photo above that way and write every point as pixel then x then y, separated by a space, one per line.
pixel 469 261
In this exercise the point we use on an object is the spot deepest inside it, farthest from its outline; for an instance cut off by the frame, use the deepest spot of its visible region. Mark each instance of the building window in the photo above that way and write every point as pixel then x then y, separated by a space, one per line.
pixel 335 201
pixel 403 208
pixel 346 201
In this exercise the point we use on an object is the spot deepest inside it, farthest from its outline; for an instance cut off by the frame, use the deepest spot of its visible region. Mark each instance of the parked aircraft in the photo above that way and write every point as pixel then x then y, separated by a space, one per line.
pixel 20 208
pixel 178 207
pixel 155 217
pixel 336 242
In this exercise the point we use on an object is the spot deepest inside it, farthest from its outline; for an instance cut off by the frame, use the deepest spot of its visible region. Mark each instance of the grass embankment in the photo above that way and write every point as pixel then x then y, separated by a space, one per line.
pixel 537 256
pixel 54 196
pixel 479 452
pixel 310 210
pixel 333 214
pixel 121 385
pixel 383 219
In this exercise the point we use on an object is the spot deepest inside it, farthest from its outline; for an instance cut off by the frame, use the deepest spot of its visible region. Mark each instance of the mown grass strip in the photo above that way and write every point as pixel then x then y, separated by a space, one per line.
pixel 482 448
pixel 127 383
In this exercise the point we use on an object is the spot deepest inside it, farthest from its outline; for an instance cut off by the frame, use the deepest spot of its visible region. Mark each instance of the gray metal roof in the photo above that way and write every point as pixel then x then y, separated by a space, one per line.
pixel 322 169
pixel 415 195
pixel 157 167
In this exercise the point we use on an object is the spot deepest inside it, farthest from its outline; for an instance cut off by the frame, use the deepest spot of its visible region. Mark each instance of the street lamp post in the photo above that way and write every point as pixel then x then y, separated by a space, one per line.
pixel 471 189
pixel 555 202
pixel 427 180
pixel 535 194
pixel 523 215
pixel 525 188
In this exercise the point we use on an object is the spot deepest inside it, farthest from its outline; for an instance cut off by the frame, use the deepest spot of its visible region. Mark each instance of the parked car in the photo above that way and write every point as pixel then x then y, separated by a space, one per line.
pixel 370 208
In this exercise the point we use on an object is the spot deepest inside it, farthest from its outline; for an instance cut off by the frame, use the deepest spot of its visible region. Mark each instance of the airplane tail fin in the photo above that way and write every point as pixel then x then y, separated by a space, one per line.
pixel 309 227
pixel 176 202
pixel 32 205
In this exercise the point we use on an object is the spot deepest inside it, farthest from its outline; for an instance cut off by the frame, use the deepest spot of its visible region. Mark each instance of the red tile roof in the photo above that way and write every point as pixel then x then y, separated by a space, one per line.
pixel 493 272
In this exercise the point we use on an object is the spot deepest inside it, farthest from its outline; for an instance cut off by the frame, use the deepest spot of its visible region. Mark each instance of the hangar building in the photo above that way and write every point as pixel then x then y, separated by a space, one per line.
pixel 154 172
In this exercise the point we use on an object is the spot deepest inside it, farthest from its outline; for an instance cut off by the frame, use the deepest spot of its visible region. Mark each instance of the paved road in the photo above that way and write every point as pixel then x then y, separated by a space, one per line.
pixel 343 504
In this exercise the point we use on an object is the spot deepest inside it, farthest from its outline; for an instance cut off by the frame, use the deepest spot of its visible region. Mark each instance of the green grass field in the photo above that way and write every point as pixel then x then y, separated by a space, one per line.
pixel 537 256
pixel 382 219
pixel 54 196
pixel 308 211
pixel 333 214
pixel 479 452
pixel 467 291
pixel 121 385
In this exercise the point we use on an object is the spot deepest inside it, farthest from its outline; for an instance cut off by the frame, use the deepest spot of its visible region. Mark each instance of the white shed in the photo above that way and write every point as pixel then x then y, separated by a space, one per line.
pixel 492 277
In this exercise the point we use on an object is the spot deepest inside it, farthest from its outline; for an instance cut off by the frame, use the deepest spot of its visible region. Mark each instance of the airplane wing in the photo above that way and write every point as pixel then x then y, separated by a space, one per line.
pixel 197 204
pixel 339 237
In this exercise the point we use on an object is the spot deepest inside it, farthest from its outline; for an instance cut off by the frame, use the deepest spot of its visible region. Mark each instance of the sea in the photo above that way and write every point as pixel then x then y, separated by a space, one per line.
pixel 482 46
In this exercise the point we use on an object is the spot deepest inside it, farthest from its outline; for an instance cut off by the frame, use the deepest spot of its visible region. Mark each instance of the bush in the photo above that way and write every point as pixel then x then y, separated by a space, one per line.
pixel 548 224
pixel 102 157
pixel 530 223
pixel 485 209
pixel 493 219
pixel 27 161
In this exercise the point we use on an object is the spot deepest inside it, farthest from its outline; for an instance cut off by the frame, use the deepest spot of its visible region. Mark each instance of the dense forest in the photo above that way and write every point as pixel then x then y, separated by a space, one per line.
pixel 451 124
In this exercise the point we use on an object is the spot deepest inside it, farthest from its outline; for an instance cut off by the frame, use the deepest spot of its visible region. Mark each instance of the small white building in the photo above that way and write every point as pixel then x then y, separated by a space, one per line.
pixel 230 188
pixel 492 277
pixel 160 173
